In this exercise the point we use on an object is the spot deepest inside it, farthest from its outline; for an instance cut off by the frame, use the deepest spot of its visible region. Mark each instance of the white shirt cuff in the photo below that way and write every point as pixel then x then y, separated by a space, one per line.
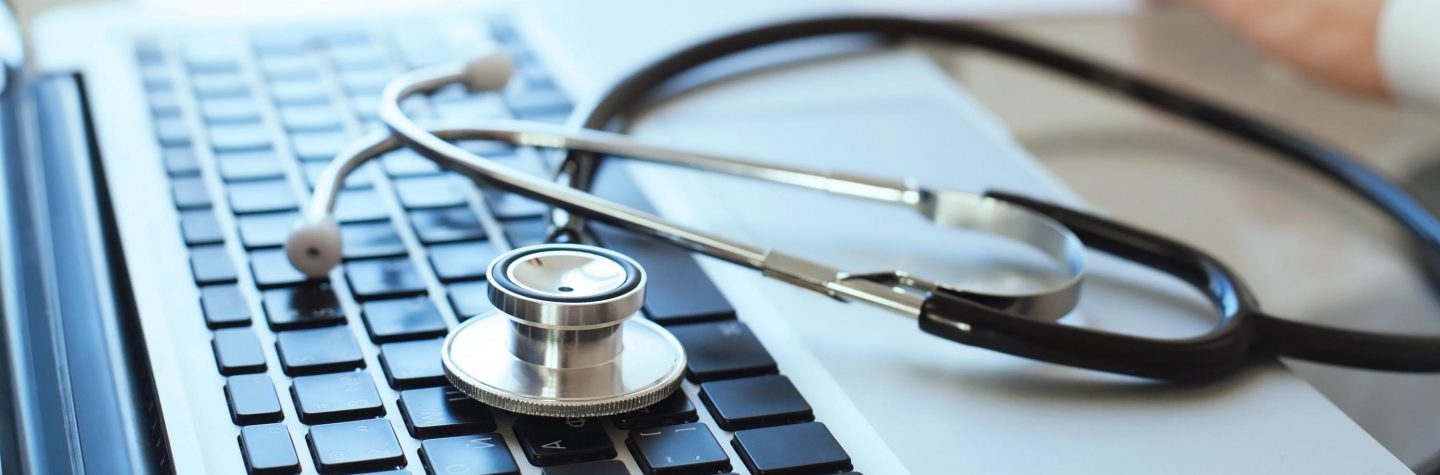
pixel 1409 46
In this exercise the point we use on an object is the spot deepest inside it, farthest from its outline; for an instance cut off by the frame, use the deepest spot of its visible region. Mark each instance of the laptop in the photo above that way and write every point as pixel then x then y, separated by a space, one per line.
pixel 154 326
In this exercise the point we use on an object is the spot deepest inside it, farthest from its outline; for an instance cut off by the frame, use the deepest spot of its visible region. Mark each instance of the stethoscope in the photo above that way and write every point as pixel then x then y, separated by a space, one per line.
pixel 563 341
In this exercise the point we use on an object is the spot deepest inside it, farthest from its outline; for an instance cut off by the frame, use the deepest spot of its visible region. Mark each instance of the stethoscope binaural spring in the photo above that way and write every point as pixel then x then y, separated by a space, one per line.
pixel 1021 324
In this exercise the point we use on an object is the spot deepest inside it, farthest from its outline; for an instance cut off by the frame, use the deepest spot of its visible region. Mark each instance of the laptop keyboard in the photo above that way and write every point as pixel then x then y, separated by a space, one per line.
pixel 343 375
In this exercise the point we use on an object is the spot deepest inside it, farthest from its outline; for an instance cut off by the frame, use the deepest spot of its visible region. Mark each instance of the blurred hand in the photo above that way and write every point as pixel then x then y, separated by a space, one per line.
pixel 1334 41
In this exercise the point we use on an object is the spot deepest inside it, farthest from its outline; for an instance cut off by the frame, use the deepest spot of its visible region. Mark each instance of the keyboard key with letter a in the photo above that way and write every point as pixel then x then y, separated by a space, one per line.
pixel 548 441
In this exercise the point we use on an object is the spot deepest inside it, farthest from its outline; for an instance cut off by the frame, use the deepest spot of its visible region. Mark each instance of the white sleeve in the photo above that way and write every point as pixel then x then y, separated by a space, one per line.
pixel 1409 46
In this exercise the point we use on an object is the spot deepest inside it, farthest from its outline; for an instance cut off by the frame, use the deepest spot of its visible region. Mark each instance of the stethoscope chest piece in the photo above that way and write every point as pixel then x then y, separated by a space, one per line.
pixel 562 342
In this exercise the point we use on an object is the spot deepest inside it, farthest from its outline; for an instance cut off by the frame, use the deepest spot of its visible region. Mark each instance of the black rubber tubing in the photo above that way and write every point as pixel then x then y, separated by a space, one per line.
pixel 1261 333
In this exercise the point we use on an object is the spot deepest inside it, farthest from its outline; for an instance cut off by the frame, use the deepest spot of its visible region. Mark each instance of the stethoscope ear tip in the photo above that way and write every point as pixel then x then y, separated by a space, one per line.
pixel 488 71
pixel 314 247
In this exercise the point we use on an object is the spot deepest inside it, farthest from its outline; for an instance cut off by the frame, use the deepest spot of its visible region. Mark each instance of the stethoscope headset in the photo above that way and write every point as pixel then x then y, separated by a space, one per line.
pixel 1243 332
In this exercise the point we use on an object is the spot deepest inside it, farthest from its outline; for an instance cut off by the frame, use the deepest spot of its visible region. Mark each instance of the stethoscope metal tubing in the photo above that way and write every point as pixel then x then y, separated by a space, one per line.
pixel 781 266
pixel 895 290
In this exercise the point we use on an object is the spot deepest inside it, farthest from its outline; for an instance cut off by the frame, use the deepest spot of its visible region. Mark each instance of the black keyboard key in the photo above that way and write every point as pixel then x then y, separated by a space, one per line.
pixel 282 44
pixel 462 261
pixel 224 306
pixel 299 91
pixel 548 441
pixel 525 232
pixel 412 364
pixel 261 196
pixel 471 299
pixel 180 161
pixel 189 193
pixel 172 131
pixel 507 206
pixel 381 278
pixel 318 350
pixel 674 409
pixel 800 448
pixel 318 146
pixel 722 350
pixel 536 102
pixel 336 397
pixel 403 319
pixel 447 224
pixel 310 305
pixel 480 454
pixel 252 399
pixel 164 103
pixel 268 450
pixel 760 401
pixel 360 205
pixel 366 106
pixel 266 230
pixel 359 178
pixel 237 351
pixel 684 294
pixel 273 269
pixel 677 449
pixel 355 446
pixel 367 81
pixel 372 239
pixel 604 467
pixel 211 264
pixel 200 227
pixel 238 137
pixel 362 57
pixel 429 192
pixel 230 110
pixel 220 82
pixel 310 118
pixel 443 411
pixel 679 291
pixel 249 165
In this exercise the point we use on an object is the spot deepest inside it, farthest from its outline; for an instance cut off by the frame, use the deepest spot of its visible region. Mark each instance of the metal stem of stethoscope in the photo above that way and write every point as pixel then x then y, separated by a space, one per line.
pixel 893 290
